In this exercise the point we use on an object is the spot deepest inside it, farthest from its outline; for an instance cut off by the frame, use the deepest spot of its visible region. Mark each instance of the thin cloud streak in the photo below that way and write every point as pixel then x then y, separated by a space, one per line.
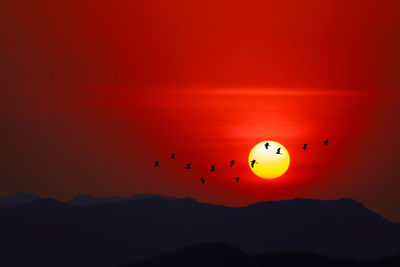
pixel 270 91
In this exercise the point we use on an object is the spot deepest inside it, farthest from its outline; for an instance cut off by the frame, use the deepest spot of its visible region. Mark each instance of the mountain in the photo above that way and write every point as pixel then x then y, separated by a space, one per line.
pixel 47 232
pixel 226 255
pixel 87 200
pixel 17 199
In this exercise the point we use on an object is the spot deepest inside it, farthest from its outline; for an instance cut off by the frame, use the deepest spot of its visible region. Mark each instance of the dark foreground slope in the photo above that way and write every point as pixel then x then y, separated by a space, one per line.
pixel 47 232
pixel 225 255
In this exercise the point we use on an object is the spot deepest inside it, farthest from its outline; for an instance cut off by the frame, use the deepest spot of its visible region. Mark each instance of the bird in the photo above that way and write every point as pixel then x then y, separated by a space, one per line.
pixel 232 162
pixel 237 179
pixel 156 163
pixel 305 147
pixel 172 156
pixel 213 168
pixel 326 142
pixel 278 151
pixel 266 145
pixel 202 180
pixel 187 166
pixel 253 162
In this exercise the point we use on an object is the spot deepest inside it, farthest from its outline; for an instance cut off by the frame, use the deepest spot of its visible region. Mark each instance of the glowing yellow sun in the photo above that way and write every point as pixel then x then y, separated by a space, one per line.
pixel 269 159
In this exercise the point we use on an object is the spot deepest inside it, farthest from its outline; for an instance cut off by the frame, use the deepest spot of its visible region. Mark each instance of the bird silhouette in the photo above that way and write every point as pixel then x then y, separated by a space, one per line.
pixel 232 162
pixel 172 156
pixel 213 168
pixel 305 147
pixel 237 179
pixel 266 145
pixel 202 180
pixel 187 166
pixel 253 162
pixel 156 163
pixel 326 142
pixel 278 151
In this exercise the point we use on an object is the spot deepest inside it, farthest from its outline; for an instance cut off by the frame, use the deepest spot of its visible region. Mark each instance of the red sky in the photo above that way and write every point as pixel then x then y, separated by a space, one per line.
pixel 92 93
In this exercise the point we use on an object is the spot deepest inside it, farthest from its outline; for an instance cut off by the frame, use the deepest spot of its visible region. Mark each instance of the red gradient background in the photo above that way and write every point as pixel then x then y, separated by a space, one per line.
pixel 92 93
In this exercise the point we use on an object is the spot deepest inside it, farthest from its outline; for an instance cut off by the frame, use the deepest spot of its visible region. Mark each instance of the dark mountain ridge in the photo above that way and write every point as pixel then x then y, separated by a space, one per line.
pixel 87 200
pixel 43 231
pixel 17 199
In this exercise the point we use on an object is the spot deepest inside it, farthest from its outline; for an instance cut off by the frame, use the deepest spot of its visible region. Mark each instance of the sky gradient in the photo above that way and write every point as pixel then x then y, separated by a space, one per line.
pixel 92 93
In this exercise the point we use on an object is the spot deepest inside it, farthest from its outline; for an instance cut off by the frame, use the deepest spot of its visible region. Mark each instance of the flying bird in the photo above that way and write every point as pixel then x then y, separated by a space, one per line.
pixel 305 147
pixel 253 162
pixel 213 168
pixel 326 142
pixel 187 166
pixel 237 179
pixel 278 151
pixel 266 145
pixel 202 180
pixel 232 162
pixel 156 163
pixel 172 156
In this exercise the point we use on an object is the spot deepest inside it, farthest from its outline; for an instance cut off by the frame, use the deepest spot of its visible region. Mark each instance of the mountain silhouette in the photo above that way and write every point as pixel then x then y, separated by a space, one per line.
pixel 226 255
pixel 17 199
pixel 48 232
pixel 87 200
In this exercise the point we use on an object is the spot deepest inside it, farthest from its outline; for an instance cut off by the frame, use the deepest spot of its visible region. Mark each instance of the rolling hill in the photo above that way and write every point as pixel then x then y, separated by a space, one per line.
pixel 42 232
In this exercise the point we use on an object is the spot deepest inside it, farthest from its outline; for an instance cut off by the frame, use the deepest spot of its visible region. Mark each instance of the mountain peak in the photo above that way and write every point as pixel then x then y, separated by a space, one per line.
pixel 17 199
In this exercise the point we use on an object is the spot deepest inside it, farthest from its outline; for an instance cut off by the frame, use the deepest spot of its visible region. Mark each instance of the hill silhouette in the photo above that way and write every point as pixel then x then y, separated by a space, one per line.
pixel 42 232
pixel 87 200
pixel 18 199
pixel 226 255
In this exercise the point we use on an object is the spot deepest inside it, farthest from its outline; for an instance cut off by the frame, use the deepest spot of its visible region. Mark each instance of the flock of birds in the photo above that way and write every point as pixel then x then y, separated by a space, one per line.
pixel 278 151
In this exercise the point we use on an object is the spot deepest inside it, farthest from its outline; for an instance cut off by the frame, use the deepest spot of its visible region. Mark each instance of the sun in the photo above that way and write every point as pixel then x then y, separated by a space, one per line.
pixel 269 159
